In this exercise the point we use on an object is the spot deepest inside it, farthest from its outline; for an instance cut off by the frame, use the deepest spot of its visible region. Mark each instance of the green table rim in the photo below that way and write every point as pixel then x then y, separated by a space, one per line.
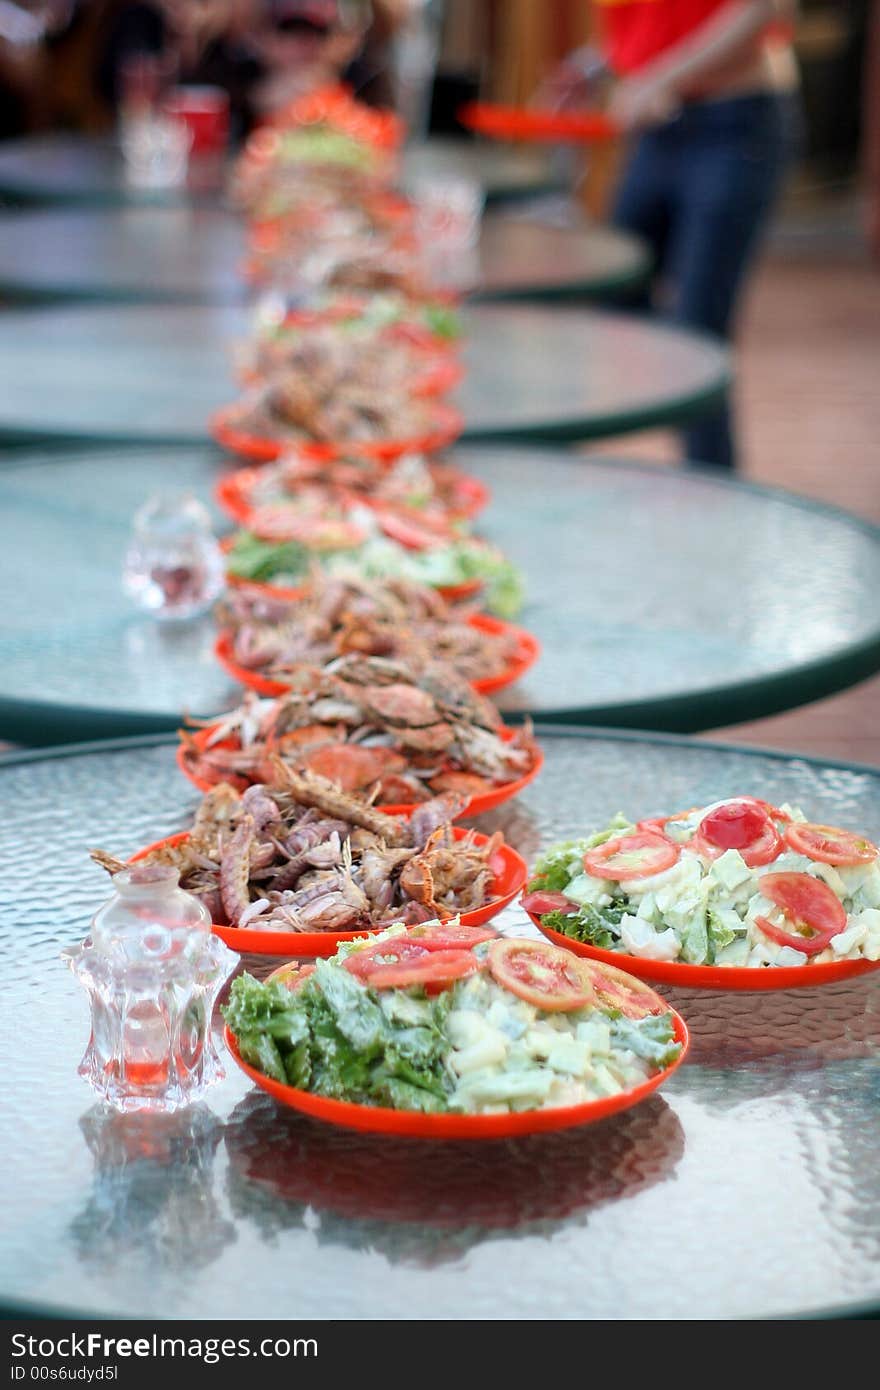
pixel 591 732
pixel 31 1312
pixel 686 712
pixel 672 410
pixel 20 293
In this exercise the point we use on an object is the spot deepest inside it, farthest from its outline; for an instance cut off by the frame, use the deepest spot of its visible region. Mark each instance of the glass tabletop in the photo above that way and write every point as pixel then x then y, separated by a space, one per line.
pixel 658 609
pixel 83 169
pixel 195 254
pixel 746 1188
pixel 505 172
pixel 139 373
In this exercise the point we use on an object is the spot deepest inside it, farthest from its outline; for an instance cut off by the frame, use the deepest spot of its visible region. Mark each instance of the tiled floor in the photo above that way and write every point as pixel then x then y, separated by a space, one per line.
pixel 808 369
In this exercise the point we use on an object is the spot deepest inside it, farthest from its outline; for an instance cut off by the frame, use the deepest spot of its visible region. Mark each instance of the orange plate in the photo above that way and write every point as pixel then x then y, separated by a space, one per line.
pixel 438 378
pixel 380 1120
pixel 526 654
pixel 440 373
pixel 453 593
pixel 508 867
pixel 223 427
pixel 724 977
pixel 233 494
pixel 523 123
pixel 486 801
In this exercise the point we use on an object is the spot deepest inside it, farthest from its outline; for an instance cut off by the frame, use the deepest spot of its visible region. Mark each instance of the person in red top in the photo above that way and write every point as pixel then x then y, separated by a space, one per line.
pixel 707 91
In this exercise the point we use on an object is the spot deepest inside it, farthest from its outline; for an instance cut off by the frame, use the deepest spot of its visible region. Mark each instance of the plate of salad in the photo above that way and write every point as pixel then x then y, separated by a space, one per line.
pixel 737 894
pixel 421 1032
pixel 458 568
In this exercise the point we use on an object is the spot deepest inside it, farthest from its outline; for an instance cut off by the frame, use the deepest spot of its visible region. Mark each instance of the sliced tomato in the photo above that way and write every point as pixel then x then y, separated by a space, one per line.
pixel 450 936
pixel 436 970
pixel 660 822
pixel 806 899
pixel 400 950
pixel 743 825
pixel 817 914
pixel 293 975
pixel 540 973
pixel 615 989
pixel 271 523
pixel 638 855
pixel 541 902
pixel 828 845
pixel 407 533
pixel 733 825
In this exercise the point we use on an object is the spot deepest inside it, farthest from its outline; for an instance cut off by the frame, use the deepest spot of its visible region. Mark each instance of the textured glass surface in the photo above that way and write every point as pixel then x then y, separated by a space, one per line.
pixel 69 167
pixel 746 1187
pixel 157 372
pixel 184 252
pixel 195 254
pixel 657 584
pixel 72 168
pixel 72 638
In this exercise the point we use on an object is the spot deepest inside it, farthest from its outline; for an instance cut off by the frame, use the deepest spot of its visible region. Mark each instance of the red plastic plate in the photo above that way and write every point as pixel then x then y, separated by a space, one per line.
pixel 225 429
pixel 379 1120
pixel 722 977
pixel 453 593
pixel 508 867
pixel 486 801
pixel 233 494
pixel 525 123
pixel 526 654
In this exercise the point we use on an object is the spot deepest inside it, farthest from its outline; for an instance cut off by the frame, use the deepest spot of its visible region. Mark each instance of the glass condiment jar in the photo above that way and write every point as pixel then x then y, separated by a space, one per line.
pixel 173 565
pixel 153 970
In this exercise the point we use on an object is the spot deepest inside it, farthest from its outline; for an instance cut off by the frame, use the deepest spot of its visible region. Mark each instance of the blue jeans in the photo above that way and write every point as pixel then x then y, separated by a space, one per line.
pixel 698 190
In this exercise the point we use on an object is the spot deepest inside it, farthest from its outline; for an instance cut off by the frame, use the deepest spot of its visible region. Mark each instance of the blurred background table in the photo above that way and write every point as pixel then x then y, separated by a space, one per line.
pixel 158 1219
pixel 195 255
pixel 649 590
pixel 60 168
pixel 140 374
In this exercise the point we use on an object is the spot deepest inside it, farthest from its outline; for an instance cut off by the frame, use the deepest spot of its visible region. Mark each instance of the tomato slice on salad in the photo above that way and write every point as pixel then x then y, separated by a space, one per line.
pixel 743 825
pixel 399 950
pixel 275 522
pixel 828 845
pixel 294 975
pixel 637 855
pixel 450 936
pixel 808 903
pixel 541 902
pixel 614 989
pixel 436 970
pixel 410 534
pixel 542 974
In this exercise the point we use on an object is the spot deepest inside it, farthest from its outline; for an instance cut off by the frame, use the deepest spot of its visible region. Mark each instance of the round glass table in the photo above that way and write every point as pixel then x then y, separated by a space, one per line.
pixel 63 168
pixel 195 254
pixel 746 1188
pixel 648 589
pixel 152 374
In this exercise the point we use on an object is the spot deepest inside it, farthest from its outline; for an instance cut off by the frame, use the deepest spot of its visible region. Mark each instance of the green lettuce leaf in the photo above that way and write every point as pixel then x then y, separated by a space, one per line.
pixel 600 926
pixel 651 1038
